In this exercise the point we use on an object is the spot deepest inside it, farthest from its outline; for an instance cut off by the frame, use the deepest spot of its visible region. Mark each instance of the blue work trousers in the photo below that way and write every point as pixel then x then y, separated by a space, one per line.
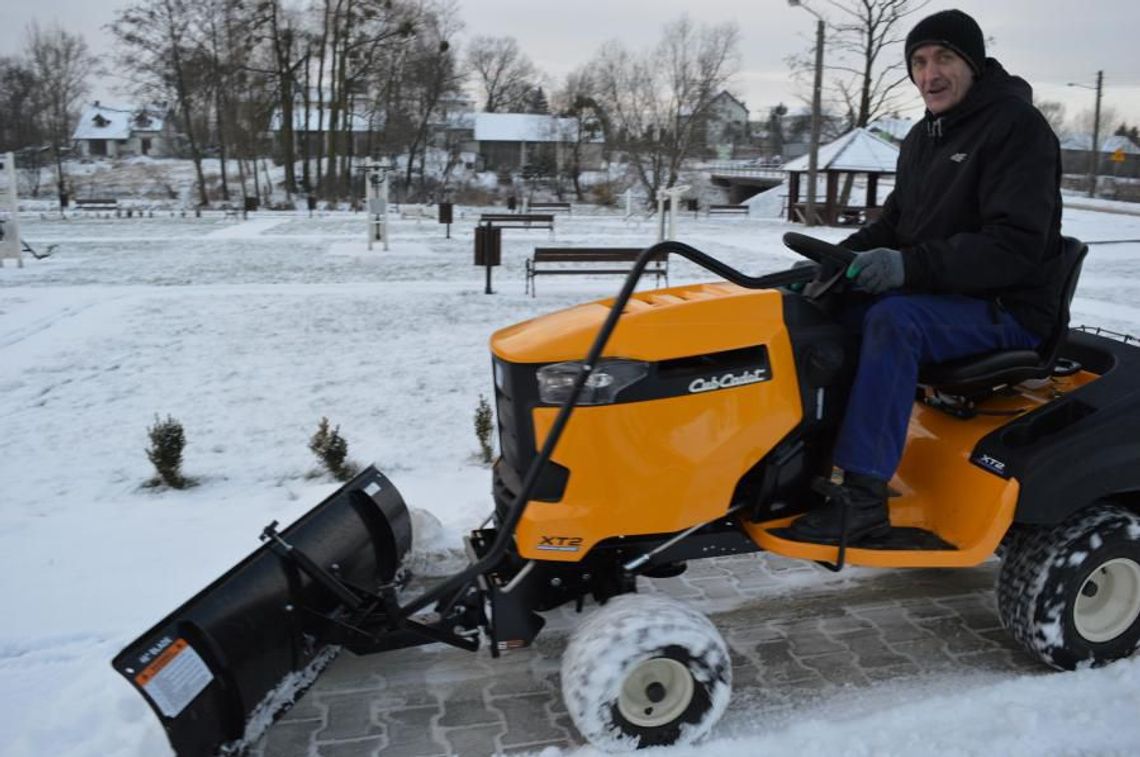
pixel 900 333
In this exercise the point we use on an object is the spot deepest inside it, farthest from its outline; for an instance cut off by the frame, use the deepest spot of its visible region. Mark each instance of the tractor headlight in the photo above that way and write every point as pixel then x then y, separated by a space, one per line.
pixel 601 388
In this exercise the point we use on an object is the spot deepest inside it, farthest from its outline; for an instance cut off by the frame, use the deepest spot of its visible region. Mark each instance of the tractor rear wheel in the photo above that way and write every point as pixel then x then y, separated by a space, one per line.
pixel 645 671
pixel 1070 594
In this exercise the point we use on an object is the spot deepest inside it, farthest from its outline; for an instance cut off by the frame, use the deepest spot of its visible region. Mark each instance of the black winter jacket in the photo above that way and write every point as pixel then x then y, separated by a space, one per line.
pixel 976 208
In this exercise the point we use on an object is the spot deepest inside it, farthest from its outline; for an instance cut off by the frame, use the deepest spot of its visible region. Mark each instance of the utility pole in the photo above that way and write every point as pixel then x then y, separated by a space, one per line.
pixel 1094 160
pixel 1094 148
pixel 816 112
pixel 816 117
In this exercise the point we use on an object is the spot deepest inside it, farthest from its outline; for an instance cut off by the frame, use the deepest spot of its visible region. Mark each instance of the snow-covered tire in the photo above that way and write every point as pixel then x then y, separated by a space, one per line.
pixel 645 671
pixel 1071 594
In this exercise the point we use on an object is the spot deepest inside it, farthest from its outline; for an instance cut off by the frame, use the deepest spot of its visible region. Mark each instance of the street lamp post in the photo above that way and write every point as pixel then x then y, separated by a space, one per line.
pixel 1094 151
pixel 816 108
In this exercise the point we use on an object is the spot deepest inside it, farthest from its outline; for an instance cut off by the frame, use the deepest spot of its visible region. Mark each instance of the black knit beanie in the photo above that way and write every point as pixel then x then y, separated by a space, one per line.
pixel 954 30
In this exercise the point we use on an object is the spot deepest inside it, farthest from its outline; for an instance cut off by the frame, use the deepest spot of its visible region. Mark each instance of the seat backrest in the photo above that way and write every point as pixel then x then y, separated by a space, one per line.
pixel 977 375
pixel 1073 253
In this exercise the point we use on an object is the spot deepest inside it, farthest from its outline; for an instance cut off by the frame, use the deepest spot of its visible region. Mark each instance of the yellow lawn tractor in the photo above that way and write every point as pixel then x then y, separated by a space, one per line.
pixel 645 431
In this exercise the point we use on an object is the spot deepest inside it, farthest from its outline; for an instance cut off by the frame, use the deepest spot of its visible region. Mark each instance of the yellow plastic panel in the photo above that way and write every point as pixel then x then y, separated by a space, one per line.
pixel 941 490
pixel 694 320
pixel 992 500
pixel 659 466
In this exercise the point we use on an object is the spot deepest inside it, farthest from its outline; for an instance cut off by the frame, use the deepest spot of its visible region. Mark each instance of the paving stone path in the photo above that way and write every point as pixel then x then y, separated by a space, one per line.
pixel 800 638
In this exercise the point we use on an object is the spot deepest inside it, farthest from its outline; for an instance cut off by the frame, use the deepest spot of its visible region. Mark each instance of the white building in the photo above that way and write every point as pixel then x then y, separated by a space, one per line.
pixel 726 124
pixel 1117 156
pixel 109 131
pixel 512 140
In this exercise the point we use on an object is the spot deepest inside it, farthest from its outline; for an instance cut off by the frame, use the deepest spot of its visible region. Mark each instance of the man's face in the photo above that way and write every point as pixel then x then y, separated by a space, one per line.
pixel 942 76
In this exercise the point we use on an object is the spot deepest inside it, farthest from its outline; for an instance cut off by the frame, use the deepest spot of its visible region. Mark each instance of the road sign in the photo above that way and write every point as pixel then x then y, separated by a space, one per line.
pixel 1118 156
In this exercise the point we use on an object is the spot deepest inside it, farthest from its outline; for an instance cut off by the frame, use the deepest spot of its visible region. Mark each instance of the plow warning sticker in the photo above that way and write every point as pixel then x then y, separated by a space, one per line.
pixel 175 677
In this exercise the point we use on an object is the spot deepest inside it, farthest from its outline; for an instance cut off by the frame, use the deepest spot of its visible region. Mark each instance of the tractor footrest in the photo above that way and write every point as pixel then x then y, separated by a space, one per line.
pixel 897 539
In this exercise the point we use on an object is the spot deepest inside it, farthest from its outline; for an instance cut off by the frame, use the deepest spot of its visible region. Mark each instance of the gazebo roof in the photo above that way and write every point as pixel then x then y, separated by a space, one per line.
pixel 858 150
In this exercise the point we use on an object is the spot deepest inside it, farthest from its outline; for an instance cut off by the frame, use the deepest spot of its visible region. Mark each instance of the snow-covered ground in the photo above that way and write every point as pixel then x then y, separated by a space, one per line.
pixel 248 332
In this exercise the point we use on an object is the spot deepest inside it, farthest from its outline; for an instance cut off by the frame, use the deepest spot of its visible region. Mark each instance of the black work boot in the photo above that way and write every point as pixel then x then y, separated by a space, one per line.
pixel 866 513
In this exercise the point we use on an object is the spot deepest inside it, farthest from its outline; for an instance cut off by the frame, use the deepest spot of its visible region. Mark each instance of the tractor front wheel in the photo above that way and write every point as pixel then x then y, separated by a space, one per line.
pixel 1071 594
pixel 645 671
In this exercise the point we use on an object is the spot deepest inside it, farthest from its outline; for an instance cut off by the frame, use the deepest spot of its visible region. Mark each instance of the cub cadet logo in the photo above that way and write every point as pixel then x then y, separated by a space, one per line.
pixel 997 466
pixel 728 380
pixel 560 543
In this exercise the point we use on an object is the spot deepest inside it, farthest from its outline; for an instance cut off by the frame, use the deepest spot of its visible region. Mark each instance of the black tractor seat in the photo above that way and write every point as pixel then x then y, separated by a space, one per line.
pixel 978 375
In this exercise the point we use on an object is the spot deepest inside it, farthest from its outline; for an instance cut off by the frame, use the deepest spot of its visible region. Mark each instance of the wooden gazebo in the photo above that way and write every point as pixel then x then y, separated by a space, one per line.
pixel 856 152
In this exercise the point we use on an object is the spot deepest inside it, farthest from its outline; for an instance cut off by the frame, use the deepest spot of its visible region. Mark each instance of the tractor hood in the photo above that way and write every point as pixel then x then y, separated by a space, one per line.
pixel 656 325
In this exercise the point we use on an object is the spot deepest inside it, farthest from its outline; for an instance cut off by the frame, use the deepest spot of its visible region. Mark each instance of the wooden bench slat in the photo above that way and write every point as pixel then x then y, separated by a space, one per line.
pixel 572 255
pixel 519 220
pixel 96 204
pixel 575 271
pixel 544 255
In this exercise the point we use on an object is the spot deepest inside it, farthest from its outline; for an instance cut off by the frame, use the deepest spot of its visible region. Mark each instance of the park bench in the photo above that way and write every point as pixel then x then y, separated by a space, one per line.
pixel 553 261
pixel 728 210
pixel 519 220
pixel 554 206
pixel 417 212
pixel 97 204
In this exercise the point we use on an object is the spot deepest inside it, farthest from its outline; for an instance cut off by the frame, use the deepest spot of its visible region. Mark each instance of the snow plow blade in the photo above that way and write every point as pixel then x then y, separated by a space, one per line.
pixel 221 666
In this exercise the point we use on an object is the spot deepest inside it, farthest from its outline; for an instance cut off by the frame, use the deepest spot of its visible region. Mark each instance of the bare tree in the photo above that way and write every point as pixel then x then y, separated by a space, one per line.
pixel 433 73
pixel 506 75
pixel 158 48
pixel 20 102
pixel 865 62
pixel 657 100
pixel 578 101
pixel 1084 121
pixel 867 75
pixel 60 63
pixel 869 72
pixel 284 40
pixel 1054 113
pixel 223 27
pixel 359 35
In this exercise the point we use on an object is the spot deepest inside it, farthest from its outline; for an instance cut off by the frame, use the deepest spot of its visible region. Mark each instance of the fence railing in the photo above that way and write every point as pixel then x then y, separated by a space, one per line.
pixel 739 168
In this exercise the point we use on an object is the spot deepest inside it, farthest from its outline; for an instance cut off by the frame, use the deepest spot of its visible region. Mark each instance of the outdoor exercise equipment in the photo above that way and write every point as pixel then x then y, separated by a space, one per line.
pixel 376 189
pixel 10 246
pixel 667 200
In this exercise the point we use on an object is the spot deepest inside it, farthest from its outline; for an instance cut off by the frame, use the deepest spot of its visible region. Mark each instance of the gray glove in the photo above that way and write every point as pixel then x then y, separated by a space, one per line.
pixel 877 270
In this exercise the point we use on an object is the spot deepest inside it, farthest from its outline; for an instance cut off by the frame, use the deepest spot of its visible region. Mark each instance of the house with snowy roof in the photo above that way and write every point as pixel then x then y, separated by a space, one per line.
pixel 113 131
pixel 723 127
pixel 450 128
pixel 1118 156
pixel 509 141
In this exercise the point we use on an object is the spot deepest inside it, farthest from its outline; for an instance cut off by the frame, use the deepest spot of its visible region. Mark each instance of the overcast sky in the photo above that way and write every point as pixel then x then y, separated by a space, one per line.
pixel 1048 42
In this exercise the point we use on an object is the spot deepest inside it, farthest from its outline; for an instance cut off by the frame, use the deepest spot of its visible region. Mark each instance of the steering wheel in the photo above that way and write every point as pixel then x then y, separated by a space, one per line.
pixel 832 259
pixel 825 253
